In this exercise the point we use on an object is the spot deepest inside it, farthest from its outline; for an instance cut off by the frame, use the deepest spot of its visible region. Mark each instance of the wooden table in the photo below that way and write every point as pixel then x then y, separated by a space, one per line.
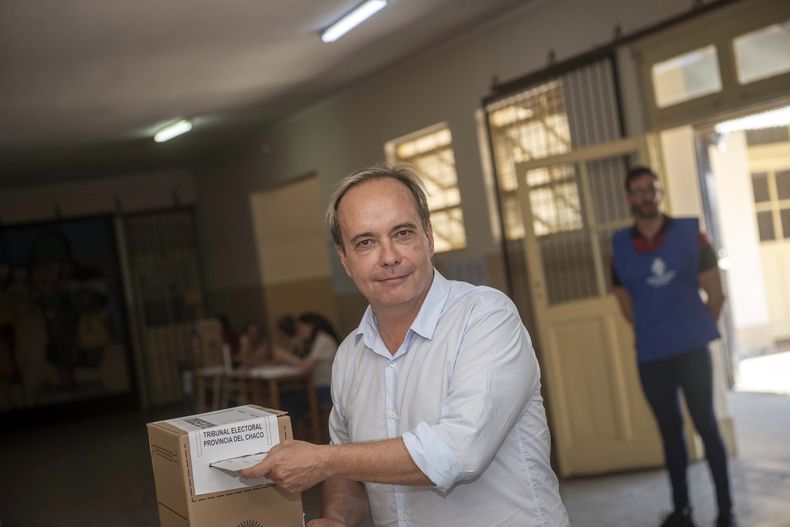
pixel 253 381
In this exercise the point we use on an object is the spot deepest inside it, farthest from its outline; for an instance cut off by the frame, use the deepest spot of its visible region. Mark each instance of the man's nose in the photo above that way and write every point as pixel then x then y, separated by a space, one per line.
pixel 389 254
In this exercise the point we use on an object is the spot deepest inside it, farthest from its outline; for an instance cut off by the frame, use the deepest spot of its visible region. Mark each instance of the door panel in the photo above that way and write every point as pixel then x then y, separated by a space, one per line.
pixel 570 205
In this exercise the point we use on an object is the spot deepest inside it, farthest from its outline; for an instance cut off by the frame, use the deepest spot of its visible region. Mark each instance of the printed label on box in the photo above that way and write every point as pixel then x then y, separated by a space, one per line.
pixel 223 436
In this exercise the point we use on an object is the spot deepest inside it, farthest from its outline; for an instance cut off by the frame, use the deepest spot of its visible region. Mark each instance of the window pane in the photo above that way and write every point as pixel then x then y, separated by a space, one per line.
pixel 448 229
pixel 785 214
pixel 760 186
pixel 556 207
pixel 763 53
pixel 529 125
pixel 783 184
pixel 432 154
pixel 686 76
pixel 765 224
pixel 767 136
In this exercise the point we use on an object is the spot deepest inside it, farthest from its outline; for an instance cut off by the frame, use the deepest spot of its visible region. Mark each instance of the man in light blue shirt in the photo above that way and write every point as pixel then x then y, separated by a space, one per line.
pixel 438 417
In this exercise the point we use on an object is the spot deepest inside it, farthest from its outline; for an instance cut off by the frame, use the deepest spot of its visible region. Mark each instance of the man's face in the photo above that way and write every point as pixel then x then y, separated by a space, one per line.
pixel 644 195
pixel 386 250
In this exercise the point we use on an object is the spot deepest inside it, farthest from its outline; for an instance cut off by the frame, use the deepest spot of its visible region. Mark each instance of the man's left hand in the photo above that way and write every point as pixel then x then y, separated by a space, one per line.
pixel 293 465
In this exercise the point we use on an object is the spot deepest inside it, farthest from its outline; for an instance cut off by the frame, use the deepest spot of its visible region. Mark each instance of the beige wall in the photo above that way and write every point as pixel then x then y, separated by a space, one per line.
pixel 292 255
pixel 226 238
pixel 349 130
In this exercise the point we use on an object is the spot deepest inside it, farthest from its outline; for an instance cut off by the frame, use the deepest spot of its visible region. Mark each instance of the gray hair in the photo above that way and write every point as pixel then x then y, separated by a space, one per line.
pixel 406 174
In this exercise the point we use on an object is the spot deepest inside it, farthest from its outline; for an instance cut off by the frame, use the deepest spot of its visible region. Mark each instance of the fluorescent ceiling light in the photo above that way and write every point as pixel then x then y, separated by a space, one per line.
pixel 757 121
pixel 174 130
pixel 353 19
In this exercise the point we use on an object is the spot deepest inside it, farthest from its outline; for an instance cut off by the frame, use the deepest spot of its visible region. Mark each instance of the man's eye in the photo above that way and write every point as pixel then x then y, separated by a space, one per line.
pixel 363 244
pixel 403 234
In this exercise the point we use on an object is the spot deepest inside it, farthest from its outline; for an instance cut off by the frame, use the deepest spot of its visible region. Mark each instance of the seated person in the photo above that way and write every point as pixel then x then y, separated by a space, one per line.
pixel 286 338
pixel 230 339
pixel 315 334
pixel 254 349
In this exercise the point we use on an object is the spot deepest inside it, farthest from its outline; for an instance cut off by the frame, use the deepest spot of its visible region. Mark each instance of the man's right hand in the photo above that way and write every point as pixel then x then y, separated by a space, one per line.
pixel 325 522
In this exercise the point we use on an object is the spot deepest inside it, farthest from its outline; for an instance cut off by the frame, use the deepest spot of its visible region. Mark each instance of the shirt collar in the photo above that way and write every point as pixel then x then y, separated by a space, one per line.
pixel 635 233
pixel 424 323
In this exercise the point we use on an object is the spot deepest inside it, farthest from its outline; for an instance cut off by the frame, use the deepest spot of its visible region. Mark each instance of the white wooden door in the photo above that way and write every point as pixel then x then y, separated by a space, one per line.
pixel 571 204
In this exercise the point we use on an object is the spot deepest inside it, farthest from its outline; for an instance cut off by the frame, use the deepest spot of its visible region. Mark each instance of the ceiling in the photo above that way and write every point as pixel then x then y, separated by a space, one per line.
pixel 84 84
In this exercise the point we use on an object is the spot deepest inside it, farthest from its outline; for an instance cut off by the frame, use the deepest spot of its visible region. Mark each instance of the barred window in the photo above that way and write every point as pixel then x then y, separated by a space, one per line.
pixel 771 190
pixel 531 125
pixel 431 152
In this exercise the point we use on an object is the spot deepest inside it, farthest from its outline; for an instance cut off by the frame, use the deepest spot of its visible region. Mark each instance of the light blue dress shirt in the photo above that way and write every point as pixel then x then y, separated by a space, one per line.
pixel 463 391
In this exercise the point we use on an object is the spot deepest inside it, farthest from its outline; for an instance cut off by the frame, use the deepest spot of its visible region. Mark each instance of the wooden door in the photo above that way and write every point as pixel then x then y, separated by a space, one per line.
pixel 571 204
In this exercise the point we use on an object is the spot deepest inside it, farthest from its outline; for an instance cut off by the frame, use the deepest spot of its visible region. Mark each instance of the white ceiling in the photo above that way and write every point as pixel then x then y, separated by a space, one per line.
pixel 85 83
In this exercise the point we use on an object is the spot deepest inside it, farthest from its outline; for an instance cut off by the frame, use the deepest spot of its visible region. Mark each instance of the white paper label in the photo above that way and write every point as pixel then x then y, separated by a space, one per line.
pixel 226 436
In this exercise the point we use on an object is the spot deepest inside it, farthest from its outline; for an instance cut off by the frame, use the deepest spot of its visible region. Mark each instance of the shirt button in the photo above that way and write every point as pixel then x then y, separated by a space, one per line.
pixel 391 414
pixel 392 364
pixel 403 516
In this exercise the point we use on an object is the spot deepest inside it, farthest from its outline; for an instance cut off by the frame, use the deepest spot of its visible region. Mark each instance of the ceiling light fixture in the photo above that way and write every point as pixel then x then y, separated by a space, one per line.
pixel 173 130
pixel 757 121
pixel 352 19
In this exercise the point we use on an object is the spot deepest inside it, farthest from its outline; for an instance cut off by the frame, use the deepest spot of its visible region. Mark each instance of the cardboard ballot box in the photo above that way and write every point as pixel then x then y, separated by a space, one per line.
pixel 196 461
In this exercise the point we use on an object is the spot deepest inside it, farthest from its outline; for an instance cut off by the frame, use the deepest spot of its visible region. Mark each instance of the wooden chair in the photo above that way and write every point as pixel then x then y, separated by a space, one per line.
pixel 209 371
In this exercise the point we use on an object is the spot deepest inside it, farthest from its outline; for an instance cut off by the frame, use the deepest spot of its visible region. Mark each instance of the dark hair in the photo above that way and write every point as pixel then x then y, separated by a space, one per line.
pixel 406 174
pixel 637 172
pixel 258 326
pixel 287 325
pixel 223 319
pixel 318 323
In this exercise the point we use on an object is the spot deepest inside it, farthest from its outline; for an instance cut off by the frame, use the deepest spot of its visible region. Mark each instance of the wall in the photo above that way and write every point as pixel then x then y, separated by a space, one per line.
pixel 730 167
pixel 294 264
pixel 349 130
pixel 132 193
pixel 226 237
pixel 746 285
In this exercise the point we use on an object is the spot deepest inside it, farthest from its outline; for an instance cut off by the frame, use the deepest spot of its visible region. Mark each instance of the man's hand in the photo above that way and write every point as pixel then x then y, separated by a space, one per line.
pixel 293 465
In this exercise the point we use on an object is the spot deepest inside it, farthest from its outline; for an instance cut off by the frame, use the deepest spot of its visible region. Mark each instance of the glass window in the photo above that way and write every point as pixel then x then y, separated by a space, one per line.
pixel 763 53
pixel 432 153
pixel 783 184
pixel 760 186
pixel 785 215
pixel 686 76
pixel 555 206
pixel 530 125
pixel 765 224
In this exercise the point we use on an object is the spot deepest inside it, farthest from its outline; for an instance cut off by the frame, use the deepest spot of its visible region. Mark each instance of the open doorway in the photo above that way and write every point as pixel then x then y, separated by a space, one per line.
pixel 745 181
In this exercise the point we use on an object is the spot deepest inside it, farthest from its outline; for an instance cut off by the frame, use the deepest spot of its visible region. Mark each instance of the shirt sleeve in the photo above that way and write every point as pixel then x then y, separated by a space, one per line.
pixel 495 375
pixel 707 257
pixel 338 430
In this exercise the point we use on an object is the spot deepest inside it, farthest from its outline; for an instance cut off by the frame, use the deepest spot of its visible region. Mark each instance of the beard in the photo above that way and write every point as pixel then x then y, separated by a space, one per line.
pixel 645 210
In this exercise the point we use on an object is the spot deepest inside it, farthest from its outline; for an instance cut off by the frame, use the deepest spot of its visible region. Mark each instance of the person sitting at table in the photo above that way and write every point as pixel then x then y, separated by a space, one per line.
pixel 230 339
pixel 254 349
pixel 286 338
pixel 316 334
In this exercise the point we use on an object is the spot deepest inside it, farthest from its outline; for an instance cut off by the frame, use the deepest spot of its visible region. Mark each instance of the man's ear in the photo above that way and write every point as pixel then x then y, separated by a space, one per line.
pixel 341 253
pixel 429 234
